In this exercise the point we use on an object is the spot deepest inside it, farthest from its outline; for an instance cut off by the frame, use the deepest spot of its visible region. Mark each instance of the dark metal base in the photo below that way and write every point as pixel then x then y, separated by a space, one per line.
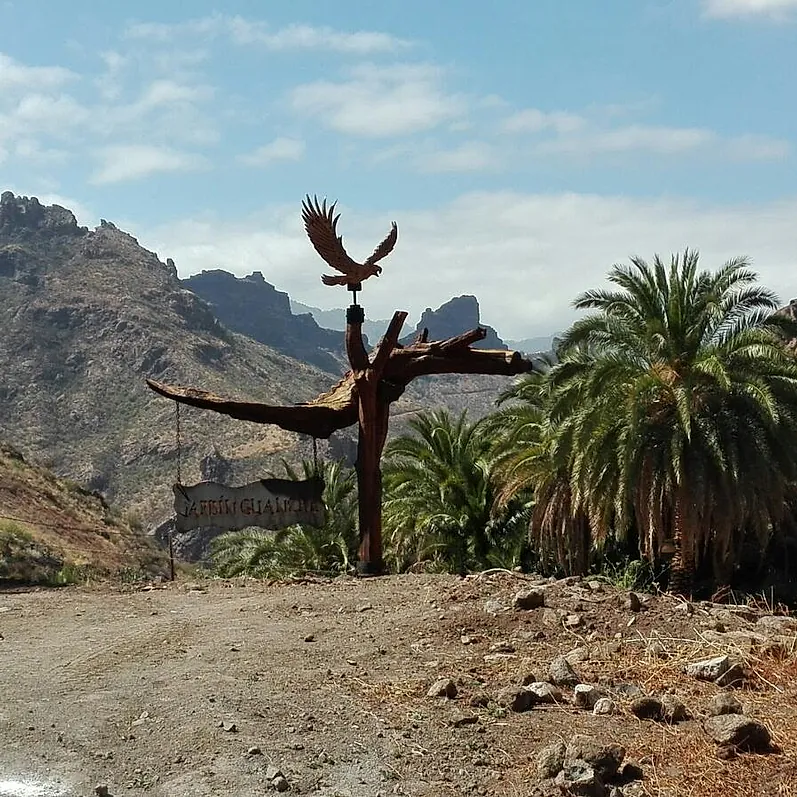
pixel 355 314
pixel 370 569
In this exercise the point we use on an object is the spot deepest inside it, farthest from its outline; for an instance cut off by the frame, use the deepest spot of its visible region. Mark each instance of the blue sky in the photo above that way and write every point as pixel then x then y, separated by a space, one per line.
pixel 523 148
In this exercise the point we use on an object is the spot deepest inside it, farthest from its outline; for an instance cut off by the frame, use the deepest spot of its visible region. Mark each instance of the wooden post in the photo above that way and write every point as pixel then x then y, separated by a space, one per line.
pixel 373 413
pixel 171 556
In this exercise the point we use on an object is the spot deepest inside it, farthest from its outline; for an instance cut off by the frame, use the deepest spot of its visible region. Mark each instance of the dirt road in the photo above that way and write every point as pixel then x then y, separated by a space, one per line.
pixel 186 691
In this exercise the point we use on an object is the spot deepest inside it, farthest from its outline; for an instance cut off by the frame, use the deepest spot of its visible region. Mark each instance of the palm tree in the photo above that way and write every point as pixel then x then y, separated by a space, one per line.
pixel 439 498
pixel 532 459
pixel 327 549
pixel 681 399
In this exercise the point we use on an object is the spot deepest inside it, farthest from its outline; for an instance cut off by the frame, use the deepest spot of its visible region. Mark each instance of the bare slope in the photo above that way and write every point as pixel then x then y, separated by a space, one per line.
pixel 51 528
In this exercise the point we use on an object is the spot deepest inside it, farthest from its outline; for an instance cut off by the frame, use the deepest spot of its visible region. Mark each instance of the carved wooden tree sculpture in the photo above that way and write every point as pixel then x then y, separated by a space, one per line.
pixel 364 394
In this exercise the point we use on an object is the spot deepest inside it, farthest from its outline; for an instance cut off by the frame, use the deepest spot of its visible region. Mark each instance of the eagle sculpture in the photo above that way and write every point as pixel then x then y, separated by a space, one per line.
pixel 321 223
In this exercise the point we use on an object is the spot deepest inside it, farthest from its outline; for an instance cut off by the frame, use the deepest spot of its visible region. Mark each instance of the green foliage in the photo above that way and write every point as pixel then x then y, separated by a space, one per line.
pixel 670 417
pixel 629 574
pixel 23 560
pixel 440 500
pixel 328 549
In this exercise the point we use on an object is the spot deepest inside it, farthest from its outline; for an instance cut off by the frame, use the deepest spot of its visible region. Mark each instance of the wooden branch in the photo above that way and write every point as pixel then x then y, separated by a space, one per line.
pixel 339 407
pixel 389 341
pixel 408 364
pixel 326 414
pixel 463 341
pixel 422 337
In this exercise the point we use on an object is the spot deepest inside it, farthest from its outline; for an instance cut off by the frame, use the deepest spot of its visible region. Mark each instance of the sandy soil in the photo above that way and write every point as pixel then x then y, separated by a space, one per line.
pixel 198 689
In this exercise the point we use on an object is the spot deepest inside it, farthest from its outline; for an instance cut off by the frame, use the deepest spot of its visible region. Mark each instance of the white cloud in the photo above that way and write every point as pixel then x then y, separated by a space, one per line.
pixel 280 149
pixel 747 8
pixel 380 101
pixel 525 256
pixel 472 156
pixel 125 162
pixel 661 140
pixel 14 75
pixel 244 31
pixel 532 120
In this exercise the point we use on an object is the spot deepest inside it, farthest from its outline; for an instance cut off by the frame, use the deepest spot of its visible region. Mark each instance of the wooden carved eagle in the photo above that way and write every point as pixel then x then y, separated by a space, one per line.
pixel 321 223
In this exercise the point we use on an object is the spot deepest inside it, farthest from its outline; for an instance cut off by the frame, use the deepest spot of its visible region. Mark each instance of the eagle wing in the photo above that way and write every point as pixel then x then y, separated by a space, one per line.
pixel 320 222
pixel 385 248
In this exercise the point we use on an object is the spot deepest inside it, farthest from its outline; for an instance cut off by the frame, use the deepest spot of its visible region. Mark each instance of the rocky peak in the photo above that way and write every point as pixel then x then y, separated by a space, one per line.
pixel 23 215
pixel 456 316
pixel 254 307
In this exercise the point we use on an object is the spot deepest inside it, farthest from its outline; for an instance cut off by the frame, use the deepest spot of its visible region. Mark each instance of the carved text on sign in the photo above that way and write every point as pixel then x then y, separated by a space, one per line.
pixel 268 503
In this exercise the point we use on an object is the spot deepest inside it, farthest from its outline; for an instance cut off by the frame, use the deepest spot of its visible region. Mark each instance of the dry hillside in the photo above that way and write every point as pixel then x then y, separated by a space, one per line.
pixel 53 530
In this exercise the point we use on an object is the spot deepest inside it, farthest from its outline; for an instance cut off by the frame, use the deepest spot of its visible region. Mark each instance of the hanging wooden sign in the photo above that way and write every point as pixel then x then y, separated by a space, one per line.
pixel 268 503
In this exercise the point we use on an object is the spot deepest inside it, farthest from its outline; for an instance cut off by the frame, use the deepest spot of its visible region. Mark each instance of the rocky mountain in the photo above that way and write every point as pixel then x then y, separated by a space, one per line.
pixel 454 317
pixel 52 530
pixel 85 317
pixel 457 315
pixel 254 307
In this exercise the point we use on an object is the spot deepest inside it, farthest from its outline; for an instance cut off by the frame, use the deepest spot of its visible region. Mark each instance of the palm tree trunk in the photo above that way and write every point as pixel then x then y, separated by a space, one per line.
pixel 682 566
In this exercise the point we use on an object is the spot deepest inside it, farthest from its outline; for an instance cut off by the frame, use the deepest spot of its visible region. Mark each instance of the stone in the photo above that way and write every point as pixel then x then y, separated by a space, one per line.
pixel 630 771
pixel 734 676
pixel 516 698
pixel 672 709
pixel 310 638
pixel 595 586
pixel 586 696
pixel 443 687
pixel 708 669
pixel 574 621
pixel 605 759
pixel 632 602
pixel 493 606
pixel 228 727
pixel 684 607
pixel 635 790
pixel 603 707
pixel 502 647
pixel 577 655
pixel 254 751
pixel 740 732
pixel 526 599
pixel 544 692
pixel 550 760
pixel 724 703
pixel 102 790
pixel 776 624
pixel 462 720
pixel 272 773
pixel 628 691
pixel 553 617
pixel 561 673
pixel 646 708
pixel 579 778
pixel 281 783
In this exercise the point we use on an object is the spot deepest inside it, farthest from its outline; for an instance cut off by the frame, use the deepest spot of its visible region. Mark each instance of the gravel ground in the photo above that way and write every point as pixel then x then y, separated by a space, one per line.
pixel 321 688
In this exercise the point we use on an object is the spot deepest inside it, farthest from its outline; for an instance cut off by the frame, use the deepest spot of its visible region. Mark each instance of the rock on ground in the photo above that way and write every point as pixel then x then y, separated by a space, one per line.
pixel 724 703
pixel 740 732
